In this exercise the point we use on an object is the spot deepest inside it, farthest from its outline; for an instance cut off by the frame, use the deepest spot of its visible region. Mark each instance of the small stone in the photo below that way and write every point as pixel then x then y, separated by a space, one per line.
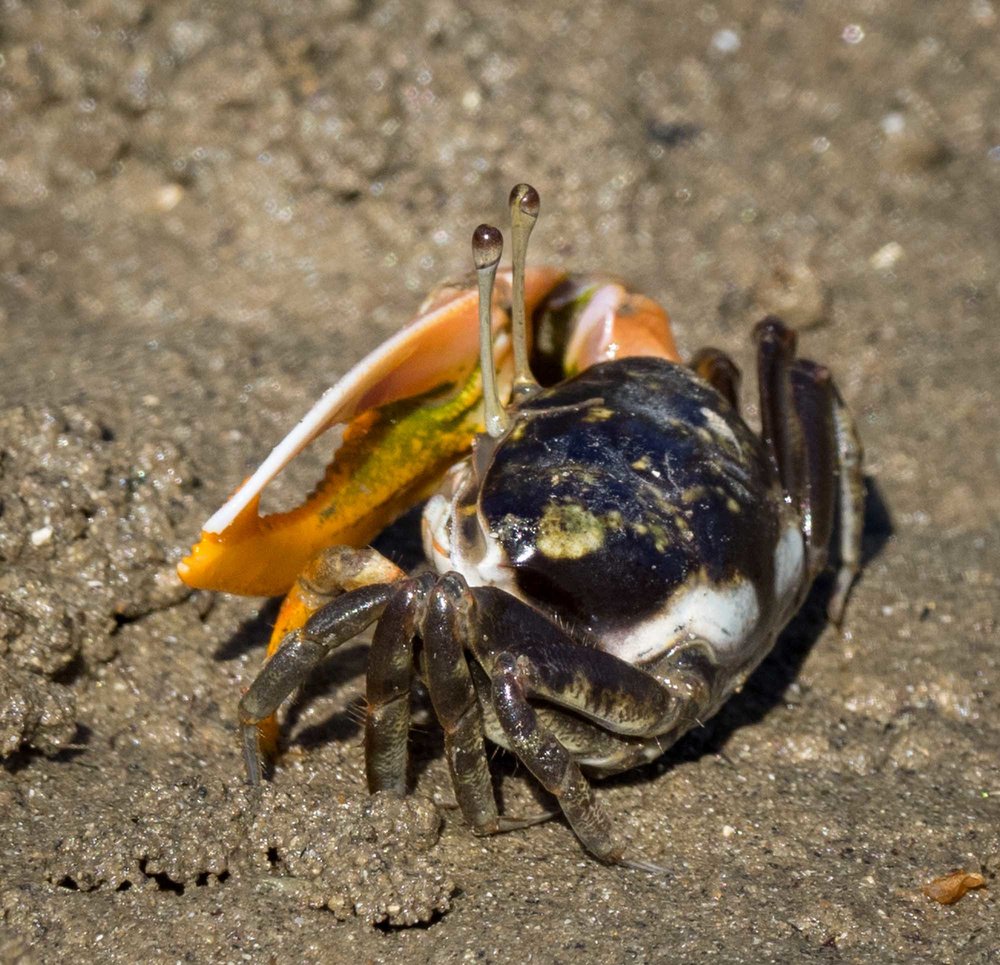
pixel 168 197
pixel 887 256
pixel 41 536
pixel 793 292
pixel 726 41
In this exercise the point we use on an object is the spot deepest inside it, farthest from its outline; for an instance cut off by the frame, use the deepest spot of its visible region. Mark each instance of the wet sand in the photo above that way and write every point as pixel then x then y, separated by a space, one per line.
pixel 208 213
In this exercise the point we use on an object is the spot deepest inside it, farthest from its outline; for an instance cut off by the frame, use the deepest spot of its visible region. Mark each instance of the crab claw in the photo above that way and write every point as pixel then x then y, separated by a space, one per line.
pixel 405 412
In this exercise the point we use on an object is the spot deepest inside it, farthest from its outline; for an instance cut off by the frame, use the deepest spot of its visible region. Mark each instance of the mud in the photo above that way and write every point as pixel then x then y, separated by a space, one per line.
pixel 208 212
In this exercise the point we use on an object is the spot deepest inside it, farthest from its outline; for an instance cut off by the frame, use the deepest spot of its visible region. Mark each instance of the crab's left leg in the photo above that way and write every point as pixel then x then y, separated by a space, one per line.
pixel 300 651
pixel 331 572
pixel 336 570
pixel 449 631
pixel 389 679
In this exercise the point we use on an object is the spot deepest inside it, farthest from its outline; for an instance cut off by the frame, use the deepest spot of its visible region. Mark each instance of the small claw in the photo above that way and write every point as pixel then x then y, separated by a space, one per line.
pixel 615 323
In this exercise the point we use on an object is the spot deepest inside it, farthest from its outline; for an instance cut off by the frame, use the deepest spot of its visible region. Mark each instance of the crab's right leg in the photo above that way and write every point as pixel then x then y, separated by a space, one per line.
pixel 325 616
pixel 335 570
pixel 834 484
pixel 851 505
pixel 812 441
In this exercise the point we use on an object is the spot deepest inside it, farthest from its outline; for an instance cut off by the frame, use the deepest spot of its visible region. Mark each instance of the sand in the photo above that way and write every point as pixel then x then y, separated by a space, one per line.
pixel 208 212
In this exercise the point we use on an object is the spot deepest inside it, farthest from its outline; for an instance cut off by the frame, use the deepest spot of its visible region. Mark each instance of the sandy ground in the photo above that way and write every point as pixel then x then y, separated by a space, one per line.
pixel 207 212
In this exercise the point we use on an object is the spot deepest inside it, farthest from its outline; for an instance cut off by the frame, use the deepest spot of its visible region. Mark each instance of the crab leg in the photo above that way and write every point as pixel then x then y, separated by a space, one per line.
pixel 337 570
pixel 326 630
pixel 779 428
pixel 720 372
pixel 448 629
pixel 528 657
pixel 815 447
pixel 390 673
pixel 812 392
pixel 851 506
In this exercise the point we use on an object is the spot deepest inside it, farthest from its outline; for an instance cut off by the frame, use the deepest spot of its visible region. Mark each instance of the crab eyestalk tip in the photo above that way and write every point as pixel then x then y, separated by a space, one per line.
pixel 525 197
pixel 487 246
pixel 524 207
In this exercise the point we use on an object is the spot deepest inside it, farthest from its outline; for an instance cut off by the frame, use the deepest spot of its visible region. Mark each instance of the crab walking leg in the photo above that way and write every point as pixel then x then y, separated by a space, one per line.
pixel 779 428
pixel 851 506
pixel 720 372
pixel 334 571
pixel 812 393
pixel 615 694
pixel 301 651
pixel 446 631
pixel 529 657
pixel 390 674
pixel 812 439
pixel 330 573
pixel 550 762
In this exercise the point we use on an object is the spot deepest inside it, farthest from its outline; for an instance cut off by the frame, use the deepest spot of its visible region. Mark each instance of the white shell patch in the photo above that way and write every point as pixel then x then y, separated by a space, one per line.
pixel 434 528
pixel 723 616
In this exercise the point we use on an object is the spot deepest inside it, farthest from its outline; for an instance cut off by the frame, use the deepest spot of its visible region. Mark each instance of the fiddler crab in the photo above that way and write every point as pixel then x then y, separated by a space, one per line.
pixel 610 561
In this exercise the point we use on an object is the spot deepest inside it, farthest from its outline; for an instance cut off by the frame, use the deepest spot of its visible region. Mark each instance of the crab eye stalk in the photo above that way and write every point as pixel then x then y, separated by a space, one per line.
pixel 487 246
pixel 524 205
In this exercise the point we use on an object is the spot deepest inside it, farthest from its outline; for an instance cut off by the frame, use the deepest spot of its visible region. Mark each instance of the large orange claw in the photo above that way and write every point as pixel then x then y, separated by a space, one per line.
pixel 400 435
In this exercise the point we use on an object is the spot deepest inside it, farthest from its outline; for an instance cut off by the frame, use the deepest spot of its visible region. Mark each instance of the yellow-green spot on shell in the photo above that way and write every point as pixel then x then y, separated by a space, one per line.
pixel 567 531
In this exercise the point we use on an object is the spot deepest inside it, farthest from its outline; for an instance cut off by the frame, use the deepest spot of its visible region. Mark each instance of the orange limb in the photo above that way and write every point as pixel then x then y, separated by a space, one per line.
pixel 390 459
